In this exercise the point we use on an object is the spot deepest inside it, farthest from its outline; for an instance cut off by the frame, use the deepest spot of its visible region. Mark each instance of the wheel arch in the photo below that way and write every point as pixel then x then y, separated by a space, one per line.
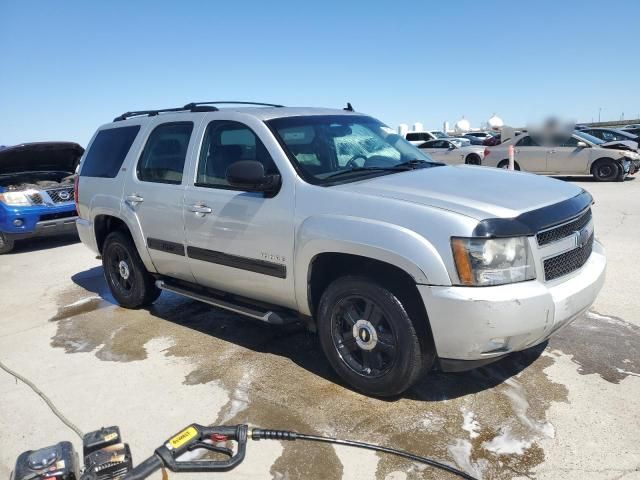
pixel 365 243
pixel 105 223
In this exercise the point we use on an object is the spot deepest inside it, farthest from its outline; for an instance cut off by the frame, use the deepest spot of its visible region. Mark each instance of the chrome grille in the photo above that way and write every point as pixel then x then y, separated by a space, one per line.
pixel 61 195
pixel 567 262
pixel 563 231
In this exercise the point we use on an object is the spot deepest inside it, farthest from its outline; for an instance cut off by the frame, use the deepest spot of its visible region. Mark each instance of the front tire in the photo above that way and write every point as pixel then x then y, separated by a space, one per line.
pixel 369 338
pixel 606 170
pixel 129 281
pixel 6 243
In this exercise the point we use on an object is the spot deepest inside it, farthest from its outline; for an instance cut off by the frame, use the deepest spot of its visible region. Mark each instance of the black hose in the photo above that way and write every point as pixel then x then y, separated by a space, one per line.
pixel 259 434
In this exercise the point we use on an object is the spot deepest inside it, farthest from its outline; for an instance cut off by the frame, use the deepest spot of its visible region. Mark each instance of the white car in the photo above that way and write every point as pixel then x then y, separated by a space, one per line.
pixel 416 138
pixel 580 154
pixel 453 151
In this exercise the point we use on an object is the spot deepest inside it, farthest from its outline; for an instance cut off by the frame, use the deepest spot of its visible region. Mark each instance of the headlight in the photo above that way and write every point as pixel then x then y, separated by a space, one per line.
pixel 15 199
pixel 492 261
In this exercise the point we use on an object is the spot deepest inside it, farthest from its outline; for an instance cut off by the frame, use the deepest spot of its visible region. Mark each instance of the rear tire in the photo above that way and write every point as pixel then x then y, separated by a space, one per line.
pixel 6 244
pixel 505 165
pixel 369 338
pixel 606 170
pixel 473 159
pixel 129 281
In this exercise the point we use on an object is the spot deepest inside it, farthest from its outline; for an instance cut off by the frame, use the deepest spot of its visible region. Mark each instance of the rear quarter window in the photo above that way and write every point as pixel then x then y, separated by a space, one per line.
pixel 108 151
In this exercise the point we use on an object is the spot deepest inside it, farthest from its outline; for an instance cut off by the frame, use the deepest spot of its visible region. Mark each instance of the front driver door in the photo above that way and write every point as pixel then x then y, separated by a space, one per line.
pixel 568 158
pixel 237 241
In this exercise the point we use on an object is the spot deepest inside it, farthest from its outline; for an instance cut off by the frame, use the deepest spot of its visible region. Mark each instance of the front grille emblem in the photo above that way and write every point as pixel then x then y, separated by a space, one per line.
pixel 583 237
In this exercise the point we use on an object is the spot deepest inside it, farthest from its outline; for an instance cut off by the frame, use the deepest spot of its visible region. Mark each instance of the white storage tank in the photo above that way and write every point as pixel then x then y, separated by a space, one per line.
pixel 462 125
pixel 495 122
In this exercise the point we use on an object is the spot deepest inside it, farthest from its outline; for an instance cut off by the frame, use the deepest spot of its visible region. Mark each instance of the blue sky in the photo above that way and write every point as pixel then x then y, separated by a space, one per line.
pixel 70 66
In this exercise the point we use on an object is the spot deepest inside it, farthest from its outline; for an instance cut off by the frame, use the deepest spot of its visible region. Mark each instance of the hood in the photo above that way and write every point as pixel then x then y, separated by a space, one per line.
pixel 40 157
pixel 478 192
pixel 621 145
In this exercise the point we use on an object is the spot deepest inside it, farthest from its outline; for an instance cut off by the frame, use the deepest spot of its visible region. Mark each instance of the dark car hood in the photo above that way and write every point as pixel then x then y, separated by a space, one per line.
pixel 621 145
pixel 40 157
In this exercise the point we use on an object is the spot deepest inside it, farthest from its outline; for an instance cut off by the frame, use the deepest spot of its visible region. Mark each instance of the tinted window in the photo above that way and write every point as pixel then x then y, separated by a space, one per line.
pixel 108 151
pixel 414 137
pixel 162 160
pixel 226 142
pixel 527 142
pixel 440 144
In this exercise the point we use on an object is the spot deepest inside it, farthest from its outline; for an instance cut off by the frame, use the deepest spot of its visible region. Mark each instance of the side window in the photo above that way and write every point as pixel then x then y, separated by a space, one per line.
pixel 162 160
pixel 527 141
pixel 571 142
pixel 108 151
pixel 440 144
pixel 226 142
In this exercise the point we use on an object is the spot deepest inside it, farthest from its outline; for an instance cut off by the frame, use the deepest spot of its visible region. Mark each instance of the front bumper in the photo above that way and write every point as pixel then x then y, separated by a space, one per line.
pixel 19 223
pixel 473 326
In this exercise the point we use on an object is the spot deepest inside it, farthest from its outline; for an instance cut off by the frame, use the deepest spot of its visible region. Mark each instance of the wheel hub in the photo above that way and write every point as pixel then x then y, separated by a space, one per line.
pixel 365 334
pixel 123 269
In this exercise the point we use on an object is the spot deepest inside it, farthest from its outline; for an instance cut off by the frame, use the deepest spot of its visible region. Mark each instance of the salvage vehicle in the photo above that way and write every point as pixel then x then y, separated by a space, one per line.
pixel 36 191
pixel 453 152
pixel 401 264
pixel 576 154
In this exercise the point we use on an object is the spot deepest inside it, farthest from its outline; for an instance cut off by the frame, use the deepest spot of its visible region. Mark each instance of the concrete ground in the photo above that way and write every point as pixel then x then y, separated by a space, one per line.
pixel 567 410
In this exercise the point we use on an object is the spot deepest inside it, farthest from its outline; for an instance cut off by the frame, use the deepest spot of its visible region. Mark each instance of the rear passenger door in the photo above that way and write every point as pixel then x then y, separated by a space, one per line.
pixel 155 195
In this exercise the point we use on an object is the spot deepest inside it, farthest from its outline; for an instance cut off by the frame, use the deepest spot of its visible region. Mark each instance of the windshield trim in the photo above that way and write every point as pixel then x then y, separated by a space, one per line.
pixel 363 175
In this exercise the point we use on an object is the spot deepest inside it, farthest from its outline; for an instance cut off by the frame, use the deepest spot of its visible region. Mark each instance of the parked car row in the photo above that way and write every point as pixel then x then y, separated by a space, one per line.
pixel 607 154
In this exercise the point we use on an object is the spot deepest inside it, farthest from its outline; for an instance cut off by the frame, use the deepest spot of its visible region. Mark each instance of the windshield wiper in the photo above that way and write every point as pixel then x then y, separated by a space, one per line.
pixel 410 164
pixel 401 167
pixel 363 169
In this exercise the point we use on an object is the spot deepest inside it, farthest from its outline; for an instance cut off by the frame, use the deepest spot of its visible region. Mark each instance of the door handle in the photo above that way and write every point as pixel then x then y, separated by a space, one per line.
pixel 552 151
pixel 200 209
pixel 134 199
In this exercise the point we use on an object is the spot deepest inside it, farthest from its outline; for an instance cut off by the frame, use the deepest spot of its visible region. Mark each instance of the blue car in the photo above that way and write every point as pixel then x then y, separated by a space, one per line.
pixel 37 191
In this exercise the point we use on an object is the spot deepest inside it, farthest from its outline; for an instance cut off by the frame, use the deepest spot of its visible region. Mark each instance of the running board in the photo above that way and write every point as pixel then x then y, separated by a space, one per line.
pixel 212 299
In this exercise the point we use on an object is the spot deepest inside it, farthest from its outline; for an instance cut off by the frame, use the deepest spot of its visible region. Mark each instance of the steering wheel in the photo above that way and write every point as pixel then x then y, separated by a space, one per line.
pixel 352 161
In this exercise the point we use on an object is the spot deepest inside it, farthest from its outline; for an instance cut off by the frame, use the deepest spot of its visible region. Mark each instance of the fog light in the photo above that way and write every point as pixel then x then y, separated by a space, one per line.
pixel 496 345
pixel 17 222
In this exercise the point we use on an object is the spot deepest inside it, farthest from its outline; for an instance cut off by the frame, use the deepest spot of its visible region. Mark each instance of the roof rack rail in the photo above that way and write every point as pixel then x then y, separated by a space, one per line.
pixel 191 107
pixel 226 102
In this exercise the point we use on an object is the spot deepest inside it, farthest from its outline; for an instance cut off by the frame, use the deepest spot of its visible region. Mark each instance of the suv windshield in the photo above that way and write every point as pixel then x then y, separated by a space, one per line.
pixel 326 148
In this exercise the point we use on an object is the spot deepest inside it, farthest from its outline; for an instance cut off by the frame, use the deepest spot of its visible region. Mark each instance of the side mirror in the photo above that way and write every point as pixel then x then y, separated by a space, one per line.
pixel 582 145
pixel 249 175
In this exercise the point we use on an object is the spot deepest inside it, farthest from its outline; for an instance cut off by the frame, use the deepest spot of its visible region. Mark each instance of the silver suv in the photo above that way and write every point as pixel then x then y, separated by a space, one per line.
pixel 402 265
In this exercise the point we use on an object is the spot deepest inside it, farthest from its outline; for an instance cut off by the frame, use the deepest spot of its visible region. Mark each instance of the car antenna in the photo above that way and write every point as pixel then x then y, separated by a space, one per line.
pixel 349 107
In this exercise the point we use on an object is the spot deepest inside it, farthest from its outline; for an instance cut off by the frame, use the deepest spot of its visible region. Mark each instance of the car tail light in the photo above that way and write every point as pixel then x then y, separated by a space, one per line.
pixel 76 181
pixel 486 152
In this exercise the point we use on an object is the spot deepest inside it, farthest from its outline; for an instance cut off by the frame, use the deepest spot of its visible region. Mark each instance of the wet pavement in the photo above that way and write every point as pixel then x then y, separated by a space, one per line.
pixel 488 421
pixel 566 409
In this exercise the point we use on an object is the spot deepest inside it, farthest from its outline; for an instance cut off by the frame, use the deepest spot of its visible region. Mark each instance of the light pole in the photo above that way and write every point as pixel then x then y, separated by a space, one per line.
pixel 599 110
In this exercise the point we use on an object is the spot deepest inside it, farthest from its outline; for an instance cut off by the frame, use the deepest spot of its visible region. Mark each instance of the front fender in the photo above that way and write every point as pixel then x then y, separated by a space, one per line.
pixel 374 239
